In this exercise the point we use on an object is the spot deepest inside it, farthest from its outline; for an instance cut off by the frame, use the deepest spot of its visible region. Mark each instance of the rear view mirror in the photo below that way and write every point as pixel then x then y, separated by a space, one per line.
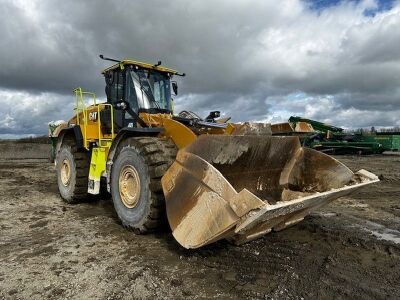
pixel 175 87
pixel 213 115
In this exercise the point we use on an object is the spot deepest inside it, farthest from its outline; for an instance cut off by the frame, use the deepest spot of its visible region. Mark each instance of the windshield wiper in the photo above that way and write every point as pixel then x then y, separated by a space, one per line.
pixel 149 97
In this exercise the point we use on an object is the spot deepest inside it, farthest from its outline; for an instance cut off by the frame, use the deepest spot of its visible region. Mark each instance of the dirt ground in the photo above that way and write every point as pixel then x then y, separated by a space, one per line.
pixel 49 249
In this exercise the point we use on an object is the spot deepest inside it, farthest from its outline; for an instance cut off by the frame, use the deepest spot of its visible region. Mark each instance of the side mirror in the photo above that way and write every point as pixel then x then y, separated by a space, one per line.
pixel 213 115
pixel 175 87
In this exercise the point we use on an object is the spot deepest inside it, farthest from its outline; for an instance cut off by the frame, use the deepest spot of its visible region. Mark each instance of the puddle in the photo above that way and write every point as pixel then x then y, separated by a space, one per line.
pixel 324 214
pixel 381 232
pixel 362 205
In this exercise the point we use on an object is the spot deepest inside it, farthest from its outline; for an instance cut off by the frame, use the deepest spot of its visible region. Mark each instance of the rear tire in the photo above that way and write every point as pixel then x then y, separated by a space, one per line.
pixel 72 174
pixel 136 182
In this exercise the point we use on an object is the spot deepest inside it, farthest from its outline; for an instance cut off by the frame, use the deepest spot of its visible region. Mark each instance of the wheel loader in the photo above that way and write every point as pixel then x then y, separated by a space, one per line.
pixel 209 178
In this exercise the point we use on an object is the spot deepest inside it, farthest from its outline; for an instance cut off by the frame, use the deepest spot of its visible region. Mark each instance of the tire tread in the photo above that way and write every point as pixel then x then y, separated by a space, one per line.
pixel 158 155
pixel 82 164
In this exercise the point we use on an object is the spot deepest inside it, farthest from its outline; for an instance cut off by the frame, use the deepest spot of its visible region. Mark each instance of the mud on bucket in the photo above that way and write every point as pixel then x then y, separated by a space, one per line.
pixel 240 187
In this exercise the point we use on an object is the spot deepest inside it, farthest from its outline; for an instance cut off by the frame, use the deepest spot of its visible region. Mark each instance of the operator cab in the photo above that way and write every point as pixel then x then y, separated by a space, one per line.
pixel 133 87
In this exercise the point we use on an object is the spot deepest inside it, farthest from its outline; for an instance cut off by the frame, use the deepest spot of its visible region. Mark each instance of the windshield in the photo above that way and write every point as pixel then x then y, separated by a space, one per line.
pixel 152 90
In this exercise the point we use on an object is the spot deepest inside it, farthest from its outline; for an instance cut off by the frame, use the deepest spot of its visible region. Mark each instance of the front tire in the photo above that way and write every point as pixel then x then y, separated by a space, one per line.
pixel 136 182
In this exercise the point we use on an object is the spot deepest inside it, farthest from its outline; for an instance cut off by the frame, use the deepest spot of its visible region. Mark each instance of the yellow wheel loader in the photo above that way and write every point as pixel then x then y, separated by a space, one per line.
pixel 211 179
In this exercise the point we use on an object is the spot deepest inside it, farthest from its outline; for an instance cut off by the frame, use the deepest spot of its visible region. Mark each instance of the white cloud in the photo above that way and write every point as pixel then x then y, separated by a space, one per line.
pixel 327 109
pixel 24 113
pixel 245 58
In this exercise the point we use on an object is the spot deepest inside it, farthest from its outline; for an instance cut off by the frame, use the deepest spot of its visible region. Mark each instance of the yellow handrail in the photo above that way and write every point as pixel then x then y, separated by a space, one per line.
pixel 81 107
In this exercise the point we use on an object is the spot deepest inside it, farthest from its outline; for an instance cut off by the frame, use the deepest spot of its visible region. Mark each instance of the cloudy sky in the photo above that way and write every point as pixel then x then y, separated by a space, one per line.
pixel 335 61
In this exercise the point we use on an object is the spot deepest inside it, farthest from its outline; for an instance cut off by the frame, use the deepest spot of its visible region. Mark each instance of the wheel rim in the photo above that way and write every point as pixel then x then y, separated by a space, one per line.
pixel 65 172
pixel 129 186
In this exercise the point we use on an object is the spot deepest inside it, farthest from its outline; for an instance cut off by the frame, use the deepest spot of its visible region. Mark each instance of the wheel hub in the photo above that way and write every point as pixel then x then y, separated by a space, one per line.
pixel 65 172
pixel 129 186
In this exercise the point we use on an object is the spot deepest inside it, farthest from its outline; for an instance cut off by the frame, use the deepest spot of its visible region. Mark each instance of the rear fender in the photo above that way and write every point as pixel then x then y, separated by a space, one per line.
pixel 74 132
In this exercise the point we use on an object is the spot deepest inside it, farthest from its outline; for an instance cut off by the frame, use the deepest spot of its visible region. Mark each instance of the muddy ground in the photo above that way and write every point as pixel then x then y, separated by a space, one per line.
pixel 49 249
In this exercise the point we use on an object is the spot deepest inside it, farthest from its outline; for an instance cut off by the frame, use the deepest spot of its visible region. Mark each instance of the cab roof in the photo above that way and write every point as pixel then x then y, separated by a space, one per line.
pixel 127 62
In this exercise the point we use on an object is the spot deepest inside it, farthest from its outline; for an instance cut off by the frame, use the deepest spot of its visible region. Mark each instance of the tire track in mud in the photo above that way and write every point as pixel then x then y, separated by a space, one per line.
pixel 254 269
pixel 81 251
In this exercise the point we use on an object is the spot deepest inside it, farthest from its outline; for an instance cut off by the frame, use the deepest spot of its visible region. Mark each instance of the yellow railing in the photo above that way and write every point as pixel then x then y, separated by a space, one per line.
pixel 82 108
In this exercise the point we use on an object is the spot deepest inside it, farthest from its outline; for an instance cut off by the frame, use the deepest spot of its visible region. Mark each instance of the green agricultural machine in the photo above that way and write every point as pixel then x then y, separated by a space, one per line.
pixel 390 141
pixel 327 138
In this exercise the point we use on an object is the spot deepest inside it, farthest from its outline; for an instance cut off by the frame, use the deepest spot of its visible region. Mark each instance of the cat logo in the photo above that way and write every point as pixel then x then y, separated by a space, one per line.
pixel 93 116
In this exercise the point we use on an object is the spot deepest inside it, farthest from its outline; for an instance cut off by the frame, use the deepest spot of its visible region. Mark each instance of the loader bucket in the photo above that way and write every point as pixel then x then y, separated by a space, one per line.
pixel 241 187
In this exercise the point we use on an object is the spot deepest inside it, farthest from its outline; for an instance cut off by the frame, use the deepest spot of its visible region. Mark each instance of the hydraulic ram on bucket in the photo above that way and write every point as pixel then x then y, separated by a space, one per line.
pixel 241 187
